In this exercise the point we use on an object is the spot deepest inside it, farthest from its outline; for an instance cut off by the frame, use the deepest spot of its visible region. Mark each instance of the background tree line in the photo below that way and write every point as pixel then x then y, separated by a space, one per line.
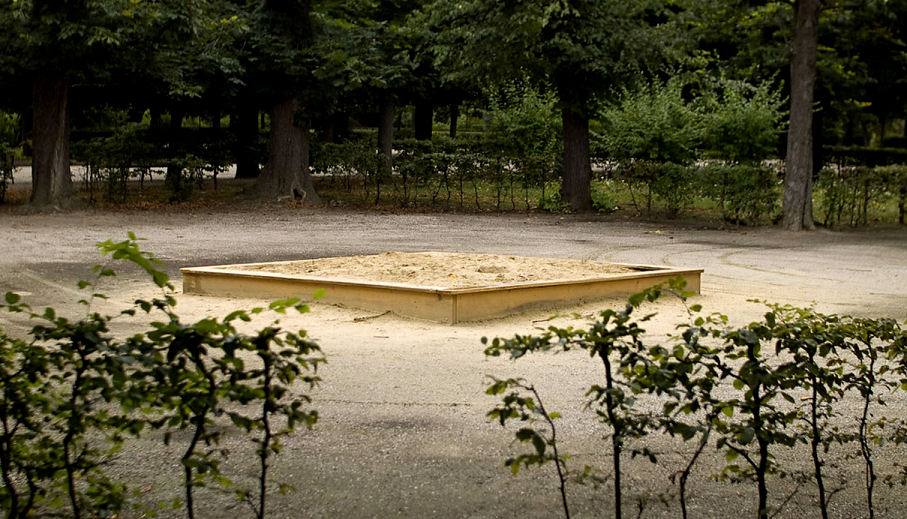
pixel 310 72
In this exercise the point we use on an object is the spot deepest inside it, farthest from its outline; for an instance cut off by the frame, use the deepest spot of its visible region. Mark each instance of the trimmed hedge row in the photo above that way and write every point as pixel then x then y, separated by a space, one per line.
pixel 860 185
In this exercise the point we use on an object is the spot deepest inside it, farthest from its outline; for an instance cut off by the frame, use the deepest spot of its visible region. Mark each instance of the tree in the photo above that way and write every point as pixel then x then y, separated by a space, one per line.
pixel 798 184
pixel 874 40
pixel 582 50
pixel 123 53
pixel 52 44
pixel 840 58
pixel 185 62
pixel 287 36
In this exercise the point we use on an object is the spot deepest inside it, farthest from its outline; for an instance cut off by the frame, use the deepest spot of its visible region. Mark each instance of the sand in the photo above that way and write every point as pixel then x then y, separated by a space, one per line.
pixel 443 269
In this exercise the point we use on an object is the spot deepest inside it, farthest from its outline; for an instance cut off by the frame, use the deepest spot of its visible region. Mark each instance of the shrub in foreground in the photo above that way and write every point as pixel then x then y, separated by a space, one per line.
pixel 72 394
pixel 746 391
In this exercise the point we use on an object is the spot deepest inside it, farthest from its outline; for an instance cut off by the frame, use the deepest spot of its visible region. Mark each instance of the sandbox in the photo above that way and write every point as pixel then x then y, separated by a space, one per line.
pixel 440 287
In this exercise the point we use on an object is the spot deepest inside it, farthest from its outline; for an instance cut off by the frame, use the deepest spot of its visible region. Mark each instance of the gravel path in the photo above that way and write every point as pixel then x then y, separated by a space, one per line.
pixel 403 431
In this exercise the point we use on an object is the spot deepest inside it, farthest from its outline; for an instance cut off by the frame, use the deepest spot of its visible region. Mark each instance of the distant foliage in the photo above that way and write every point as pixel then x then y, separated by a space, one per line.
pixel 654 135
pixel 744 122
pixel 525 122
pixel 858 195
pixel 743 126
pixel 9 142
pixel 745 193
pixel 653 123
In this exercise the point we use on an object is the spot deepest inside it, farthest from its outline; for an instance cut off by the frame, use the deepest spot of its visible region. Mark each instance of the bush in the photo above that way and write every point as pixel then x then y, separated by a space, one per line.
pixel 111 160
pixel 525 122
pixel 72 394
pixel 603 198
pixel 747 390
pixel 653 124
pixel 856 195
pixel 743 123
pixel 745 193
pixel 9 143
pixel 675 184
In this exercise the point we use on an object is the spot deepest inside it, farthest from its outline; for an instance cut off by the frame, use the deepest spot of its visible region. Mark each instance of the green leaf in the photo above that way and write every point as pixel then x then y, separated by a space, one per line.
pixel 12 298
pixel 160 278
pixel 747 435
pixel 539 443
pixel 738 384
pixel 728 411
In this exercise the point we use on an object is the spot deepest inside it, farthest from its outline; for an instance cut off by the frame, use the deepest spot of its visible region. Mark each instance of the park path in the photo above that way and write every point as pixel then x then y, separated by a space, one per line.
pixel 403 430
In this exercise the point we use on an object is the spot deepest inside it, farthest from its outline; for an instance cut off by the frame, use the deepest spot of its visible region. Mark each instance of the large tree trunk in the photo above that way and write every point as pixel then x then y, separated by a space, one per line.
pixel 286 175
pixel 174 176
pixel 454 117
pixel 423 113
pixel 51 177
pixel 335 127
pixel 386 135
pixel 798 179
pixel 576 185
pixel 883 122
pixel 244 124
pixel 155 116
pixel 341 124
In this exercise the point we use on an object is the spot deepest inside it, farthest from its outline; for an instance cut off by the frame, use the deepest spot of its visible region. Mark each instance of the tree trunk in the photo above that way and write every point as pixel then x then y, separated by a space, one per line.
pixel 287 174
pixel 51 176
pixel 818 143
pixel 386 135
pixel 334 127
pixel 423 114
pixel 883 122
pixel 155 116
pixel 174 176
pixel 340 122
pixel 454 116
pixel 798 179
pixel 244 124
pixel 576 186
pixel 325 127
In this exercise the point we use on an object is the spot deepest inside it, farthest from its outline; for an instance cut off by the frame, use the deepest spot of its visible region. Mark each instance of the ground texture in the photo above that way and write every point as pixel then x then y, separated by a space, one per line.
pixel 403 431
pixel 444 270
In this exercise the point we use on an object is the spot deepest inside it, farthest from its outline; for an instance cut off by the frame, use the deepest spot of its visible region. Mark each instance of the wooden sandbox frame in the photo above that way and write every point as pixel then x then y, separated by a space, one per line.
pixel 444 305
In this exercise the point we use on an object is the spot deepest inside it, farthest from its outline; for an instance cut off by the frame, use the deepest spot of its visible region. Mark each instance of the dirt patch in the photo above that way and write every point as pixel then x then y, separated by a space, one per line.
pixel 404 430
pixel 443 270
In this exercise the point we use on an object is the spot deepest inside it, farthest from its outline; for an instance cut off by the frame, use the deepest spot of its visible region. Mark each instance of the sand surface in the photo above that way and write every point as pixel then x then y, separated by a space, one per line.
pixel 443 269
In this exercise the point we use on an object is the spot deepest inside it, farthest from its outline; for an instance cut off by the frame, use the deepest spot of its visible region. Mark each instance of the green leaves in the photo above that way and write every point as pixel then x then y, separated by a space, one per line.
pixel 739 389
pixel 12 298
pixel 654 123
pixel 75 382
pixel 129 250
pixel 518 405
pixel 743 122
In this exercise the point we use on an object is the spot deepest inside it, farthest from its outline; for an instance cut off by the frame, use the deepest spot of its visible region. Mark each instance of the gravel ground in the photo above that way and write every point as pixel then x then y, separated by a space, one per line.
pixel 403 431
